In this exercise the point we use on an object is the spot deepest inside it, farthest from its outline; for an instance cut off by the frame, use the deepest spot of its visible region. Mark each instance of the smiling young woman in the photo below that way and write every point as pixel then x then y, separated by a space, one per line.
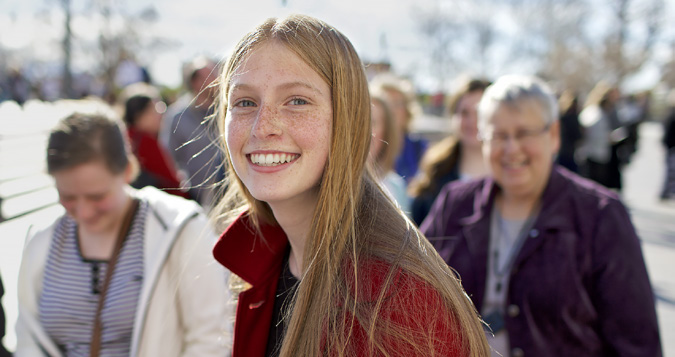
pixel 325 262
pixel 124 272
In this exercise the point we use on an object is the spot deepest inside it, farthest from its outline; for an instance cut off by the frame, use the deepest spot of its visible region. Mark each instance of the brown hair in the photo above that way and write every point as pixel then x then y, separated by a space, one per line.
pixel 470 86
pixel 136 98
pixel 441 158
pixel 345 233
pixel 82 138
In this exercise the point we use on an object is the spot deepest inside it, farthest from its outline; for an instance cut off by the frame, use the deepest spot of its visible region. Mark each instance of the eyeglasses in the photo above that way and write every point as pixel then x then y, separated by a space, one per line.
pixel 522 136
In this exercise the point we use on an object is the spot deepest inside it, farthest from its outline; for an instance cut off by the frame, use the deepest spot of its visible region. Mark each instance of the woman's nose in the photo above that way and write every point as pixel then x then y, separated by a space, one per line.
pixel 266 123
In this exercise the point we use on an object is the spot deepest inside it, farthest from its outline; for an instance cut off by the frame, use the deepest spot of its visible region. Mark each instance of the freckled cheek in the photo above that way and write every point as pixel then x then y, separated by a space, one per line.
pixel 317 136
pixel 235 134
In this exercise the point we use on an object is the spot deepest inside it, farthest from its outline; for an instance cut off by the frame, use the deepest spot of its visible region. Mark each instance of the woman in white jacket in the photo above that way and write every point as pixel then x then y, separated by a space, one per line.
pixel 164 294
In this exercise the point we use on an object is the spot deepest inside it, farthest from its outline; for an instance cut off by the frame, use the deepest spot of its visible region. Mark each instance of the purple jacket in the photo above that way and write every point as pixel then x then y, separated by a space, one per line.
pixel 578 287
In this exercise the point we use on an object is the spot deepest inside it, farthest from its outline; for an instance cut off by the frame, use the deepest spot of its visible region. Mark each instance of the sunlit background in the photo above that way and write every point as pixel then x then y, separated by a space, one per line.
pixel 573 43
pixel 74 48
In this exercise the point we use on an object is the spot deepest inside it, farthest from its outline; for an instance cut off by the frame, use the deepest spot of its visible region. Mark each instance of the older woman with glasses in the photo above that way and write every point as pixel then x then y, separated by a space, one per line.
pixel 551 260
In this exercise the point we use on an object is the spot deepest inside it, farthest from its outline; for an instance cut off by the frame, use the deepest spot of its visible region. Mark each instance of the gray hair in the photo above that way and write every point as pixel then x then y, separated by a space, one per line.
pixel 513 90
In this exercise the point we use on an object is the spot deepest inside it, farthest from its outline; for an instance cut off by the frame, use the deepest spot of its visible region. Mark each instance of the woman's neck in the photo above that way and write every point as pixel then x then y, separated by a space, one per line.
pixel 516 208
pixel 99 244
pixel 296 221
pixel 471 162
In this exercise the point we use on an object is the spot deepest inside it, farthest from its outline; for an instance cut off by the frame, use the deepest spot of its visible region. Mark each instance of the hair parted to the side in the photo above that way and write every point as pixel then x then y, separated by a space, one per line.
pixel 354 222
pixel 83 138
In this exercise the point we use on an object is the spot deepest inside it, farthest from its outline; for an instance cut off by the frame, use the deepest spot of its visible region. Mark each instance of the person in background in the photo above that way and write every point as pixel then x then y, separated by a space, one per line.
pixel 668 191
pixel 458 156
pixel 384 148
pixel 570 130
pixel 400 96
pixel 188 135
pixel 602 135
pixel 551 259
pixel 325 264
pixel 143 111
pixel 3 351
pixel 124 272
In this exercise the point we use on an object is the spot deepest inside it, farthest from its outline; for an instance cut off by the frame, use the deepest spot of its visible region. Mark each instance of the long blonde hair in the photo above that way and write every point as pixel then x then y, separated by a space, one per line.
pixel 354 224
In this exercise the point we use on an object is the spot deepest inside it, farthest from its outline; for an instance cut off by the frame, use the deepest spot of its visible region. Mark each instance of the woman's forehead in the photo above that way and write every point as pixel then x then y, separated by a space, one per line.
pixel 523 111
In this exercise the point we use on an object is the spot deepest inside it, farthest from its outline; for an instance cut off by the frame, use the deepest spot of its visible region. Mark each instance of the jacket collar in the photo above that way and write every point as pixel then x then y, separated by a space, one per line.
pixel 254 255
pixel 167 216
pixel 477 225
pixel 551 197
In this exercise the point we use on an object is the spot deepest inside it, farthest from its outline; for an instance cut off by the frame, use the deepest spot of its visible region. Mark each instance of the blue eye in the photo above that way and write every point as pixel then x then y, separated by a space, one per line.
pixel 298 101
pixel 245 103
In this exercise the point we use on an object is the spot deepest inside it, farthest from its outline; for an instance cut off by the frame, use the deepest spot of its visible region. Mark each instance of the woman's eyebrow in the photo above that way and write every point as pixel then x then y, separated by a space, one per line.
pixel 291 85
pixel 283 86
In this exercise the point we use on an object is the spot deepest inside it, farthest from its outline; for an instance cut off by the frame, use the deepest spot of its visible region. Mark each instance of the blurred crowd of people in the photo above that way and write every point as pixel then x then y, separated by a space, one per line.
pixel 520 198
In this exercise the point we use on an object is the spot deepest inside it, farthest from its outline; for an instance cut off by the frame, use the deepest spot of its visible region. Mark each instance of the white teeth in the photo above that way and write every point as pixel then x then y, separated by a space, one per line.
pixel 272 159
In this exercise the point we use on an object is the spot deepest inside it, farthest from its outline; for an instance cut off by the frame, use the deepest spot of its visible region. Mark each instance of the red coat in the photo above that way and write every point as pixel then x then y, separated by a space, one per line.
pixel 157 168
pixel 259 264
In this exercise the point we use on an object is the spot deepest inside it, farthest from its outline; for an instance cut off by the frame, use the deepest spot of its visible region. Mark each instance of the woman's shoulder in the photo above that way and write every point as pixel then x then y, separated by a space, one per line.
pixel 587 192
pixel 167 204
pixel 379 278
pixel 410 306
pixel 461 192
pixel 38 240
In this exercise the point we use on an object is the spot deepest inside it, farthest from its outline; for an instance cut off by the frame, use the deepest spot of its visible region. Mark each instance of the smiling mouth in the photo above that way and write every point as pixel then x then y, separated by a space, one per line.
pixel 272 159
pixel 515 165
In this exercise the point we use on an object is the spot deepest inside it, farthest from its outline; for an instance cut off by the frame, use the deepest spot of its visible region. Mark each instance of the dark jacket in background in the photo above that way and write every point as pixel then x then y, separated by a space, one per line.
pixel 3 351
pixel 570 137
pixel 669 132
pixel 578 287
pixel 422 204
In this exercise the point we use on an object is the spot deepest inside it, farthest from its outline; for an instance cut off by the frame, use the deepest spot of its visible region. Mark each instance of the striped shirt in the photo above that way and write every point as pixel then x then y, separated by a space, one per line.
pixel 71 290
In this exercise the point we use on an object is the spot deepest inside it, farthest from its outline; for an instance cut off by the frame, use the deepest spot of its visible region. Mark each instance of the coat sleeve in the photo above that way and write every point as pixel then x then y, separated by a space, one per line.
pixel 204 301
pixel 622 292
pixel 31 339
pixel 418 313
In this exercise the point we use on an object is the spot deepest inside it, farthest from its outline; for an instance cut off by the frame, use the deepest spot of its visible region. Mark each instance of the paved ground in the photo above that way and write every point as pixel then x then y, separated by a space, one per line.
pixel 655 222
